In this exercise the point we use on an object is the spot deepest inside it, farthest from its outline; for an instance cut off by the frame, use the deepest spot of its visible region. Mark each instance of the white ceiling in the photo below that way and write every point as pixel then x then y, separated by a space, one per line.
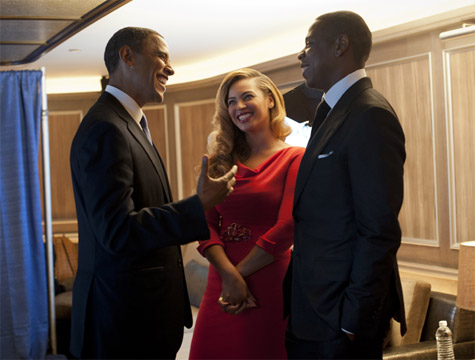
pixel 210 37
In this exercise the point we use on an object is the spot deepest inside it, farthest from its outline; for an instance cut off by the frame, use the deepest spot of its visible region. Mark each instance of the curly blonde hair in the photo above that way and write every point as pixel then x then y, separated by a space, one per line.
pixel 227 143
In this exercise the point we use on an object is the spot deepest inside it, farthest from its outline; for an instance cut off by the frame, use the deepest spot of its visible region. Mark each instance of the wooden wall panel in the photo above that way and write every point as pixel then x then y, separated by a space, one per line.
pixel 406 83
pixel 62 128
pixel 460 116
pixel 193 124
pixel 157 122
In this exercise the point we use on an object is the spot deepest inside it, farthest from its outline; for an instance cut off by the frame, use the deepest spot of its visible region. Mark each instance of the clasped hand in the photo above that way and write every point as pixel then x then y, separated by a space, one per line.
pixel 235 296
pixel 214 191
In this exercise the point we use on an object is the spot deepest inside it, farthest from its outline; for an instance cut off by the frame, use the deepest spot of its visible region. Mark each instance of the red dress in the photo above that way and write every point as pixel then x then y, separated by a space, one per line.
pixel 259 211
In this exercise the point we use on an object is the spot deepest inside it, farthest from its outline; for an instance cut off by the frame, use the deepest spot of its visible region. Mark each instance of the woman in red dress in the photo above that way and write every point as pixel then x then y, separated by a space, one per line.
pixel 241 313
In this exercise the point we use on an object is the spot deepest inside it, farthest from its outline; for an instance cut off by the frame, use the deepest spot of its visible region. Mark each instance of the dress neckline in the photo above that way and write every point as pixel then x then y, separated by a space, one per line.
pixel 263 163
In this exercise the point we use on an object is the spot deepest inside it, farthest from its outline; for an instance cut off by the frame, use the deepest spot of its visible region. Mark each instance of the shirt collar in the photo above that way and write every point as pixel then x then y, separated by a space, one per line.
pixel 338 89
pixel 127 102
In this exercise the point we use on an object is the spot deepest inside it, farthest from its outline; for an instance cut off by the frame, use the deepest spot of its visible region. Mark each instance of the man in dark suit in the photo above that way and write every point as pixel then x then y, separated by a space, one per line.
pixel 345 281
pixel 129 297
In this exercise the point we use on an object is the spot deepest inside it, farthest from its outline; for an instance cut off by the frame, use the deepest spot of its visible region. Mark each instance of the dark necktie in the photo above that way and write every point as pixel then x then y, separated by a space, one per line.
pixel 322 111
pixel 144 124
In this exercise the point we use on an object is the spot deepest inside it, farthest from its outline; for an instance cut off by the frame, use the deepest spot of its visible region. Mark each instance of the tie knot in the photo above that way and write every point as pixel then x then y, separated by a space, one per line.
pixel 323 108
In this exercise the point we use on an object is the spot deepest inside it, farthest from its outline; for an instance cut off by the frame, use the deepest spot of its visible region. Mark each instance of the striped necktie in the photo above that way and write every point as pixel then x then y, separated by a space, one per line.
pixel 144 124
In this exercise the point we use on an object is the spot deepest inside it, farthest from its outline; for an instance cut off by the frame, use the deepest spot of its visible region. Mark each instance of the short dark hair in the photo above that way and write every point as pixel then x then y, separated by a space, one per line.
pixel 352 25
pixel 132 36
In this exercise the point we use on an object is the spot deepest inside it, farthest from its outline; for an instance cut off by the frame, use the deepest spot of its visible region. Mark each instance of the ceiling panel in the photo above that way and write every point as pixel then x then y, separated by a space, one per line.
pixel 36 31
pixel 31 28
pixel 9 53
pixel 45 8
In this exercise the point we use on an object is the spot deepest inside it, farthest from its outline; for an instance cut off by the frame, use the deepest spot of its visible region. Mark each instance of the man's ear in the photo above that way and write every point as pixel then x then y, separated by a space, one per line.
pixel 342 44
pixel 127 55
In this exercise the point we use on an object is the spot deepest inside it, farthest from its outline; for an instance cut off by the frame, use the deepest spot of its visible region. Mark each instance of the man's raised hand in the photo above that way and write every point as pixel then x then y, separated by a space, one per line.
pixel 214 191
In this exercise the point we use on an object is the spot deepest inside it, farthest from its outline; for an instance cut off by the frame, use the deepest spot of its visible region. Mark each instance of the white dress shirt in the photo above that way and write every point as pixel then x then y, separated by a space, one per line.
pixel 339 88
pixel 127 102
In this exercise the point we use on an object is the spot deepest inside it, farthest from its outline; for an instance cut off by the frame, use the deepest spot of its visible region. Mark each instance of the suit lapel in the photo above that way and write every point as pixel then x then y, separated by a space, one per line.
pixel 163 177
pixel 326 131
pixel 139 135
pixel 152 154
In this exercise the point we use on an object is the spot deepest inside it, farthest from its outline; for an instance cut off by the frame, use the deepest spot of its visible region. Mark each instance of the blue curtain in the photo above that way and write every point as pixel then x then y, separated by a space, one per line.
pixel 24 296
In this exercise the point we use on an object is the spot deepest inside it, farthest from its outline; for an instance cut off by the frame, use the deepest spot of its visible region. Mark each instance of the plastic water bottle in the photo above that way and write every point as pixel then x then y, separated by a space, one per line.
pixel 445 349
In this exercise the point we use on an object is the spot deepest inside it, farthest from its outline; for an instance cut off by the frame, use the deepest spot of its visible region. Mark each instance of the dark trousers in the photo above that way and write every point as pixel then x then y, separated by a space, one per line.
pixel 339 348
pixel 101 346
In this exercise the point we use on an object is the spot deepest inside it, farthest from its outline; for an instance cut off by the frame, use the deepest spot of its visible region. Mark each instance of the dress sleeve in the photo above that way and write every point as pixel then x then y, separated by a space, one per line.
pixel 280 237
pixel 213 217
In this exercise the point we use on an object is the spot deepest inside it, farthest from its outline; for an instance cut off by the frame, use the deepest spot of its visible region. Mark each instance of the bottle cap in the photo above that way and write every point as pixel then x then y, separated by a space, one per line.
pixel 443 323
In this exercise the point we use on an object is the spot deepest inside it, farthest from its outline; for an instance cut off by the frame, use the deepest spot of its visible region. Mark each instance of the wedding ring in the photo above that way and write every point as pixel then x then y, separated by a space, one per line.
pixel 220 298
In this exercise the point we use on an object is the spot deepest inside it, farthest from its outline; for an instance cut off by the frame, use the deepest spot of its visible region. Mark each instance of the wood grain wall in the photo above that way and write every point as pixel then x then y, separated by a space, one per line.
pixel 193 124
pixel 62 127
pixel 459 65
pixel 406 84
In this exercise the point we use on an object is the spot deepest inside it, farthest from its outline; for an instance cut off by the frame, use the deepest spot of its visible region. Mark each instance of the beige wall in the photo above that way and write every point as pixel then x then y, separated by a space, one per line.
pixel 429 82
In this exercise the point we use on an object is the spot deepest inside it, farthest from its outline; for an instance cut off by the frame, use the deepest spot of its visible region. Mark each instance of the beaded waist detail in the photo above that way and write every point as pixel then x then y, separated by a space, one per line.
pixel 235 232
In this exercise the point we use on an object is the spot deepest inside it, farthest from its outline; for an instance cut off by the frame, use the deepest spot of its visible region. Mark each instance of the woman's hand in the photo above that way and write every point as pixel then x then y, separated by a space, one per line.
pixel 235 295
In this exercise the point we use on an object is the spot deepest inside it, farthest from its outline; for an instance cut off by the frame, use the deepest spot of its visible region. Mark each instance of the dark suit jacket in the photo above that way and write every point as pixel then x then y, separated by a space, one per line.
pixel 129 297
pixel 348 195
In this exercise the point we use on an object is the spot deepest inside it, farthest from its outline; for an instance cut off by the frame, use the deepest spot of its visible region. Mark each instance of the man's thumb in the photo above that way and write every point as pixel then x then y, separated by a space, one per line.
pixel 204 166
